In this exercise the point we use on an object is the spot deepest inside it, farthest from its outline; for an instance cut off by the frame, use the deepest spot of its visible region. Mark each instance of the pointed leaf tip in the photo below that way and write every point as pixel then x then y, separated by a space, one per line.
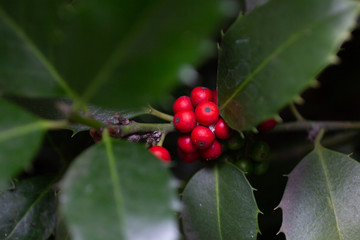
pixel 271 55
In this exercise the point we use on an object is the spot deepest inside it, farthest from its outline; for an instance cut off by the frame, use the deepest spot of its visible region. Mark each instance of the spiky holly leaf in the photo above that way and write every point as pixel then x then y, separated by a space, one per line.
pixel 115 54
pixel 268 57
pixel 322 198
pixel 219 204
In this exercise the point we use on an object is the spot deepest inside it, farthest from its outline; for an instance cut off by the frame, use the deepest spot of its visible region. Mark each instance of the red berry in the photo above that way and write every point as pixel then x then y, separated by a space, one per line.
pixel 188 157
pixel 185 144
pixel 161 153
pixel 214 151
pixel 222 130
pixel 214 96
pixel 202 137
pixel 267 125
pixel 200 94
pixel 184 121
pixel 183 103
pixel 207 113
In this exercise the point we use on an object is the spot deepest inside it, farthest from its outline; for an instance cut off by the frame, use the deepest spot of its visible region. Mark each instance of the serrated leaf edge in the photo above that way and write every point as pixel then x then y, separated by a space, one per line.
pixel 253 196
pixel 293 38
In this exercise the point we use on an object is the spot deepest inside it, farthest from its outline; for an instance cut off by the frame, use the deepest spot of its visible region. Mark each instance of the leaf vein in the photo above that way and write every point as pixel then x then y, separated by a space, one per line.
pixel 115 181
pixel 118 54
pixel 37 53
pixel 21 130
pixel 331 198
pixel 292 38
pixel 41 195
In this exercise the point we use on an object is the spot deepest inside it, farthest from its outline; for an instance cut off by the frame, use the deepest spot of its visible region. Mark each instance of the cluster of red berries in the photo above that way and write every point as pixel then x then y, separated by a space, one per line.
pixel 197 118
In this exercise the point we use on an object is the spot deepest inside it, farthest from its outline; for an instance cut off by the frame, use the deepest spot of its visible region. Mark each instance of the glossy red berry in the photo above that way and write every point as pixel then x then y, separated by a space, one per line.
pixel 185 144
pixel 214 96
pixel 214 151
pixel 267 125
pixel 200 94
pixel 161 153
pixel 184 121
pixel 222 130
pixel 202 137
pixel 188 157
pixel 183 103
pixel 207 113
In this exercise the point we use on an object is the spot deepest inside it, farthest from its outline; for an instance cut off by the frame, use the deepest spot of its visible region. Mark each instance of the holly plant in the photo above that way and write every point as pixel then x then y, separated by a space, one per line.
pixel 141 120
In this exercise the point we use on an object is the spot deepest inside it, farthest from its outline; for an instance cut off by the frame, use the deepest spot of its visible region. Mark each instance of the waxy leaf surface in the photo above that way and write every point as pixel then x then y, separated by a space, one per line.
pixel 219 204
pixel 21 134
pixel 115 54
pixel 268 57
pixel 118 190
pixel 28 32
pixel 322 198
pixel 28 210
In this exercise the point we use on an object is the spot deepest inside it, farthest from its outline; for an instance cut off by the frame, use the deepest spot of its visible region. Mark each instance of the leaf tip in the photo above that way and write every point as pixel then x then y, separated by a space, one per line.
pixel 280 231
pixel 350 154
pixel 254 130
pixel 242 135
pixel 299 100
pixel 278 119
pixel 333 59
pixel 315 84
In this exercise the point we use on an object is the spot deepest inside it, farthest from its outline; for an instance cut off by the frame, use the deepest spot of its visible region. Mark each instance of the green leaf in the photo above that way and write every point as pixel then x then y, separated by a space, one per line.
pixel 21 134
pixel 27 48
pixel 322 198
pixel 269 56
pixel 118 54
pixel 126 54
pixel 219 204
pixel 28 210
pixel 252 4
pixel 118 190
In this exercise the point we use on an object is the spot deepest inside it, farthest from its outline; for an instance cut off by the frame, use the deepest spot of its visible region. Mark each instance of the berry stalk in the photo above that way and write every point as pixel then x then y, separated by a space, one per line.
pixel 309 125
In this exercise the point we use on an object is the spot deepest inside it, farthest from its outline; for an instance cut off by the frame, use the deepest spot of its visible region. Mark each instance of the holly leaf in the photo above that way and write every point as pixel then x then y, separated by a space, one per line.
pixel 135 49
pixel 115 54
pixel 252 4
pixel 269 56
pixel 21 134
pixel 29 30
pixel 219 204
pixel 28 210
pixel 322 198
pixel 123 187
